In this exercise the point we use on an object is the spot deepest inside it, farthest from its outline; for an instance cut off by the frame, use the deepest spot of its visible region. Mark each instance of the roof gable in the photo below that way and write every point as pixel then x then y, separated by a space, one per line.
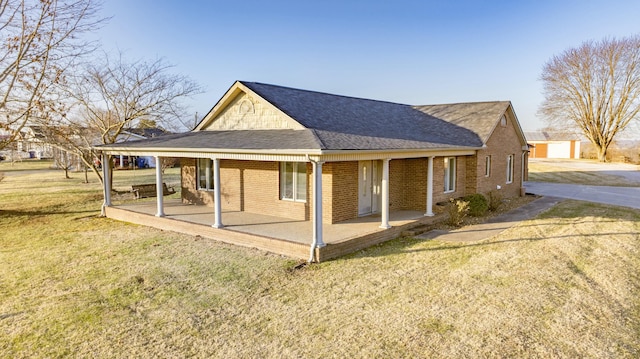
pixel 479 117
pixel 242 109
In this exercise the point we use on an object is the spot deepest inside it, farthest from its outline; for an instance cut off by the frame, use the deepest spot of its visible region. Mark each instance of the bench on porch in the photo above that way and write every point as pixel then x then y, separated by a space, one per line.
pixel 149 190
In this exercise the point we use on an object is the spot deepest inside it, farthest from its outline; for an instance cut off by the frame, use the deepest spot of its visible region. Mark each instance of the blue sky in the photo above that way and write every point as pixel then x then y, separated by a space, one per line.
pixel 412 52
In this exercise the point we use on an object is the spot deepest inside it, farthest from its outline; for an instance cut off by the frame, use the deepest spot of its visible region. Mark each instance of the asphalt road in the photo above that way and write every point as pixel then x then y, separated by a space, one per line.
pixel 619 196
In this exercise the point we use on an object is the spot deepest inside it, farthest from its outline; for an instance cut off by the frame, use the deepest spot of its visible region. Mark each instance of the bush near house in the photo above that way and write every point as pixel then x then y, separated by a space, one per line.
pixel 478 204
pixel 458 210
pixel 495 200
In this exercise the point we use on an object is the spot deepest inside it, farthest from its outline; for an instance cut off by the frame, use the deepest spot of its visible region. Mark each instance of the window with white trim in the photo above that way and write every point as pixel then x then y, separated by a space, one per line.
pixel 293 181
pixel 204 169
pixel 487 166
pixel 449 174
pixel 510 169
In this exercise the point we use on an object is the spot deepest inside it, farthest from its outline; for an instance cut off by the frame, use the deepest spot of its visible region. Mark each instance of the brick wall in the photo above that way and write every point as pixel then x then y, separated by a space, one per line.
pixel 438 179
pixel 254 186
pixel 190 194
pixel 503 142
pixel 249 186
pixel 408 184
pixel 340 191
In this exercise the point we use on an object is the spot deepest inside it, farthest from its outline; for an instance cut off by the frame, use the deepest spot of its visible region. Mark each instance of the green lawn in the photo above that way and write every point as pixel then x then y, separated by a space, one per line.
pixel 564 284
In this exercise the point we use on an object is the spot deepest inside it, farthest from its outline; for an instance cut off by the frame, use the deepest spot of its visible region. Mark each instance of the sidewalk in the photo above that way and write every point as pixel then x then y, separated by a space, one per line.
pixel 493 226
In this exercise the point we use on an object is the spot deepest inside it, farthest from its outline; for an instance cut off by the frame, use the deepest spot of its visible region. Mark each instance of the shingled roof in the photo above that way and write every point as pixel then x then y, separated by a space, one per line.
pixel 218 140
pixel 334 122
pixel 478 117
pixel 343 122
pixel 551 136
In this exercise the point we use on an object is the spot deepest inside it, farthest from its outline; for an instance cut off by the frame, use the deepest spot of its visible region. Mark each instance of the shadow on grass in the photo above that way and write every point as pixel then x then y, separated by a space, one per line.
pixel 568 209
pixel 484 243
pixel 4 213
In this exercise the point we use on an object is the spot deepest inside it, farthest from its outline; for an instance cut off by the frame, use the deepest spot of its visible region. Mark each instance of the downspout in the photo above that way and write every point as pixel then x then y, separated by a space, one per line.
pixel 522 189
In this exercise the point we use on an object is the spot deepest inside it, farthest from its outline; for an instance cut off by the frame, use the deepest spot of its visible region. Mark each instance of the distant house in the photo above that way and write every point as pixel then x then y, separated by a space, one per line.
pixel 32 143
pixel 545 144
pixel 325 159
pixel 134 134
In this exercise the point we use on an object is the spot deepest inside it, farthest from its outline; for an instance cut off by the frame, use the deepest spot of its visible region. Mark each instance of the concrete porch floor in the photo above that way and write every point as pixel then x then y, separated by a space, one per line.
pixel 342 237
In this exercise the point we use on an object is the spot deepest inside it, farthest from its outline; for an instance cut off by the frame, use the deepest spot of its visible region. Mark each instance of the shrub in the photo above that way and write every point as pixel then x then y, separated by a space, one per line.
pixel 478 204
pixel 495 200
pixel 458 209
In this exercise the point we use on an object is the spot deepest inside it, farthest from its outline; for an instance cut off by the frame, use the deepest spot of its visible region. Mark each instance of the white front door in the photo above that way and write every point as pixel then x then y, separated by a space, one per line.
pixel 369 185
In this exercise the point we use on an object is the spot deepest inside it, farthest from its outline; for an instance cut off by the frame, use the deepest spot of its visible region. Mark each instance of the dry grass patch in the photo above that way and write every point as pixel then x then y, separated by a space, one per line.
pixel 562 285
pixel 25 165
pixel 545 172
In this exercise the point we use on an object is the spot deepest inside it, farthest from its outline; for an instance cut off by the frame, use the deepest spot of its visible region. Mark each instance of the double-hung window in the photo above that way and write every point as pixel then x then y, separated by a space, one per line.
pixel 510 169
pixel 293 181
pixel 449 174
pixel 204 169
pixel 487 166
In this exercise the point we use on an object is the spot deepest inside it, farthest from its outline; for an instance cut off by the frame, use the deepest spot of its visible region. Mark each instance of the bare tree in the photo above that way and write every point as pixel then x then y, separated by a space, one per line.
pixel 594 88
pixel 64 161
pixel 41 40
pixel 73 142
pixel 114 95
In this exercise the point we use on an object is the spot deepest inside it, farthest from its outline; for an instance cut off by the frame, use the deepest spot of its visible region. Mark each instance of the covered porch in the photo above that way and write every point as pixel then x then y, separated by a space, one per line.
pixel 310 238
pixel 279 235
pixel 258 180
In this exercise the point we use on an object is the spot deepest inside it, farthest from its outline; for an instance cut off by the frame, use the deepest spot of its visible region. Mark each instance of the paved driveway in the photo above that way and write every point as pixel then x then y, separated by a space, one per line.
pixel 619 196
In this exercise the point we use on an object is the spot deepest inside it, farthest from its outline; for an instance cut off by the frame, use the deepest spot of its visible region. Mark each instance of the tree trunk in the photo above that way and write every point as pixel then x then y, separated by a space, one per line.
pixel 602 153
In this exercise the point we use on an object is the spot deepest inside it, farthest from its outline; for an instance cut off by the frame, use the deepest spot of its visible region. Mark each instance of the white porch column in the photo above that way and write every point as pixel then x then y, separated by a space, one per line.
pixel 106 180
pixel 317 209
pixel 121 161
pixel 216 193
pixel 317 204
pixel 385 194
pixel 159 188
pixel 429 212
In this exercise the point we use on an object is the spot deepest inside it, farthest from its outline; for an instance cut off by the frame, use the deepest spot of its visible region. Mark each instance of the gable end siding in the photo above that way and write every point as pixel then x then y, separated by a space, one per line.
pixel 245 112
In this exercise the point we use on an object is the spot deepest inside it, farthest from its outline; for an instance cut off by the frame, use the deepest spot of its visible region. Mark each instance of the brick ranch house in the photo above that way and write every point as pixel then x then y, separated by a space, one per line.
pixel 324 159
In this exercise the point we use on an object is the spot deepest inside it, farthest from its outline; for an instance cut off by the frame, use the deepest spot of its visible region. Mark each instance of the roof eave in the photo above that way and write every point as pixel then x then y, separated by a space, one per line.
pixel 293 154
pixel 118 149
